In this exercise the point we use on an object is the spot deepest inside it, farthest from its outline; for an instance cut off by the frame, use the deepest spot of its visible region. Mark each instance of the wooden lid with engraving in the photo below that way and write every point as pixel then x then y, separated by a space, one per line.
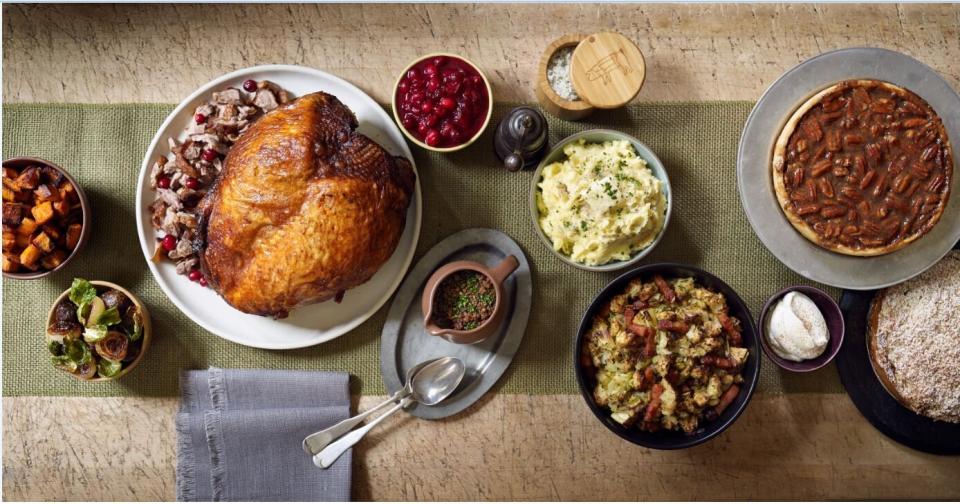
pixel 607 70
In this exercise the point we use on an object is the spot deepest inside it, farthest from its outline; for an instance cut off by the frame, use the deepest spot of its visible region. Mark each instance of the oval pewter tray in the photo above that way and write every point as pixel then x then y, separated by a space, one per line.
pixel 404 343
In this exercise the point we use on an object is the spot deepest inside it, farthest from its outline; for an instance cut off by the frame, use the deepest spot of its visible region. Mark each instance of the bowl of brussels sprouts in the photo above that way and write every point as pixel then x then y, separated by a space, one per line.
pixel 97 331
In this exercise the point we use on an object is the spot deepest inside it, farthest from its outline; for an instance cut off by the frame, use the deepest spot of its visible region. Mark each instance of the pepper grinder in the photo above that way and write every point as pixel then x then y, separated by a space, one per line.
pixel 521 138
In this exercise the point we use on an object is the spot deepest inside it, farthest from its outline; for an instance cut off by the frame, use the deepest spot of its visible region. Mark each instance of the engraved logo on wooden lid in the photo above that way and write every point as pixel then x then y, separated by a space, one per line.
pixel 608 70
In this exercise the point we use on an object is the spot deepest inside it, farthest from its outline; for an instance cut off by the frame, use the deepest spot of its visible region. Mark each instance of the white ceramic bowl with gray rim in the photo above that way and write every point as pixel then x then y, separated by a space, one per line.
pixel 600 136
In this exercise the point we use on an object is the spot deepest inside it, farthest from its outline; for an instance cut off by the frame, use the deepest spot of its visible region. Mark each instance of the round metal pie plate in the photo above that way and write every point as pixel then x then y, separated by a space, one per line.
pixel 755 181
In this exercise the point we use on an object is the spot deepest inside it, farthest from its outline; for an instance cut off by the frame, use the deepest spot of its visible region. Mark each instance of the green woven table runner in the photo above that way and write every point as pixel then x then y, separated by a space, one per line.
pixel 103 146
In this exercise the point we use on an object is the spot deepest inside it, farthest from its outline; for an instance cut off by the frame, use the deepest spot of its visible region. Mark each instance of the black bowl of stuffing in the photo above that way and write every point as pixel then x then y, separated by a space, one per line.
pixel 667 356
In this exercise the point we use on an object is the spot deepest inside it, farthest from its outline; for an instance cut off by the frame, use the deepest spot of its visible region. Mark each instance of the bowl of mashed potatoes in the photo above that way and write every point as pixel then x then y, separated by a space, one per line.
pixel 600 200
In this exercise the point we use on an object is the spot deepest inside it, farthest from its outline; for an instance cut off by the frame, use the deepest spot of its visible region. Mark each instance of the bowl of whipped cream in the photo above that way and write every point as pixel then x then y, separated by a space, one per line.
pixel 801 328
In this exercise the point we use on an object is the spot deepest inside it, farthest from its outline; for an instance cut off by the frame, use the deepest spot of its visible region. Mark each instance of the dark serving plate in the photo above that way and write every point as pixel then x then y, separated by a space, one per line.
pixel 665 440
pixel 874 402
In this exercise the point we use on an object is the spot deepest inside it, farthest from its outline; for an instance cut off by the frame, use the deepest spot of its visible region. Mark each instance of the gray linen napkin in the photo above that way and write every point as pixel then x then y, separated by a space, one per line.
pixel 239 435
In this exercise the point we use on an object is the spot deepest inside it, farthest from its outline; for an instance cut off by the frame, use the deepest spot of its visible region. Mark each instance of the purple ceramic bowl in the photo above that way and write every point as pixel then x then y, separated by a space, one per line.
pixel 831 313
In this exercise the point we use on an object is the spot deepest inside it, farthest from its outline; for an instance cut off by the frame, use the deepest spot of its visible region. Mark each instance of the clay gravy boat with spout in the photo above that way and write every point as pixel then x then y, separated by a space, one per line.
pixel 497 275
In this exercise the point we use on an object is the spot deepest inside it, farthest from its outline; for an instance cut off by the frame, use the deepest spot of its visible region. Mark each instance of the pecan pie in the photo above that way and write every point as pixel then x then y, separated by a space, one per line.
pixel 863 168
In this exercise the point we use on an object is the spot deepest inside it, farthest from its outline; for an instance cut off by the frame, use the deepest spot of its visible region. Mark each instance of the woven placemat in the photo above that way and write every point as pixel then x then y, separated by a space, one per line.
pixel 103 146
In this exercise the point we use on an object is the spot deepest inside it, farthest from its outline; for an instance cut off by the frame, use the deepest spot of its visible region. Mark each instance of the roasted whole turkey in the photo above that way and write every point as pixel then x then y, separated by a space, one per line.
pixel 304 209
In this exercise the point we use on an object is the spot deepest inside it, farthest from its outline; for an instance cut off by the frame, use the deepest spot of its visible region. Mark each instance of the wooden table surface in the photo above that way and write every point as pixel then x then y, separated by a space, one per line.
pixel 795 446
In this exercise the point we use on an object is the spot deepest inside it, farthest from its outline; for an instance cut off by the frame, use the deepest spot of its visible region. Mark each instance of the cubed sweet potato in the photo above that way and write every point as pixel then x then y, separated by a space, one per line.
pixel 9 240
pixel 10 173
pixel 12 214
pixel 43 212
pixel 23 240
pixel 53 231
pixel 29 178
pixel 69 193
pixel 27 226
pixel 11 264
pixel 73 235
pixel 43 242
pixel 53 259
pixel 62 208
pixel 9 194
pixel 30 257
pixel 52 176
pixel 43 192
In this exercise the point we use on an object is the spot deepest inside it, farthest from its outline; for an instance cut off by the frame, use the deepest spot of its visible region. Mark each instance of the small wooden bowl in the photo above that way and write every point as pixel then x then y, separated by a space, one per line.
pixel 147 327
pixel 548 98
pixel 25 161
pixel 410 136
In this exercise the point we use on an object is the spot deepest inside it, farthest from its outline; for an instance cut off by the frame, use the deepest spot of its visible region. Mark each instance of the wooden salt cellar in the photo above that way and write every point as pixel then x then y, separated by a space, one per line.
pixel 548 98
pixel 607 70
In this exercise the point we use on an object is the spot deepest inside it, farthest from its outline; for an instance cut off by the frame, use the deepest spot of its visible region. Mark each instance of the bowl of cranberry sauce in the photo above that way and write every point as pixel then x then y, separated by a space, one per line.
pixel 442 102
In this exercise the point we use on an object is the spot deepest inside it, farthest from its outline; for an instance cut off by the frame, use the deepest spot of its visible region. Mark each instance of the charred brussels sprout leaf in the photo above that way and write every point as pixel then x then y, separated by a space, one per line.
pixel 109 317
pixel 63 362
pixel 77 351
pixel 82 292
pixel 55 347
pixel 109 368
pixel 95 333
pixel 137 330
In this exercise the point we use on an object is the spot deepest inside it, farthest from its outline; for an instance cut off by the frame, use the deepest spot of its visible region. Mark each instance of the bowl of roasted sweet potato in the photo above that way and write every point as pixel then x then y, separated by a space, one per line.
pixel 45 218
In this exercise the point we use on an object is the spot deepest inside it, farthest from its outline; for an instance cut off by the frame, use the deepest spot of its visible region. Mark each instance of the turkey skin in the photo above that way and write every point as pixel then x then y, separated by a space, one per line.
pixel 305 209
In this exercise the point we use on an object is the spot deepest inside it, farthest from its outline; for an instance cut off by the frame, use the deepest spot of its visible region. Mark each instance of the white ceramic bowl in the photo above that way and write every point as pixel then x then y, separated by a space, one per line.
pixel 599 136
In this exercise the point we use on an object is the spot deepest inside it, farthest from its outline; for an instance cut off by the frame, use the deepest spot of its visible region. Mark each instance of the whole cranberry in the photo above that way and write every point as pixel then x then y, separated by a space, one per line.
pixel 447 103
pixel 451 87
pixel 163 182
pixel 203 282
pixel 430 70
pixel 426 107
pixel 432 138
pixel 210 155
pixel 463 122
pixel 200 118
pixel 169 242
pixel 192 183
pixel 438 61
pixel 403 86
pixel 413 74
pixel 416 98
pixel 431 120
pixel 250 85
pixel 476 80
pixel 195 275
pixel 423 128
pixel 409 121
pixel 450 75
pixel 433 85
pixel 455 136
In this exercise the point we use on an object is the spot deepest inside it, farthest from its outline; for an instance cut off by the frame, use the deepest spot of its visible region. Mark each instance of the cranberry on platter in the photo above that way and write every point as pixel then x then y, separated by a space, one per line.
pixel 442 102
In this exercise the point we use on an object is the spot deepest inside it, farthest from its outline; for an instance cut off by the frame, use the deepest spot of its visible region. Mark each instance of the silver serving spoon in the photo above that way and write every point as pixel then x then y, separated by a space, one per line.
pixel 319 440
pixel 429 386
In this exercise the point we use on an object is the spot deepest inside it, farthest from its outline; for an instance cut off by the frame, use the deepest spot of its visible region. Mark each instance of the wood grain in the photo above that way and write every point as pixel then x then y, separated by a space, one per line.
pixel 507 447
pixel 161 53
pixel 795 446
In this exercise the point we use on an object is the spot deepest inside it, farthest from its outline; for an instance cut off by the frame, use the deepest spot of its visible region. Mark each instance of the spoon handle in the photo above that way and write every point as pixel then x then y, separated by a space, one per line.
pixel 317 441
pixel 331 453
